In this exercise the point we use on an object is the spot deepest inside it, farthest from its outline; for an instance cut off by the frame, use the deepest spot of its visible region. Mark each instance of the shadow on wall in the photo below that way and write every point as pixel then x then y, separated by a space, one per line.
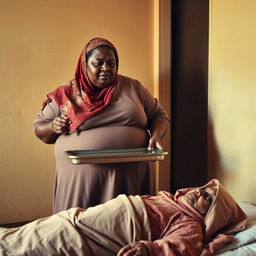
pixel 214 162
pixel 215 166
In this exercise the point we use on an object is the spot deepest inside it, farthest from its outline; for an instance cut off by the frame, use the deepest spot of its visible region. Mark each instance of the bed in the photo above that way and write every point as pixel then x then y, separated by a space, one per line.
pixel 244 244
pixel 245 241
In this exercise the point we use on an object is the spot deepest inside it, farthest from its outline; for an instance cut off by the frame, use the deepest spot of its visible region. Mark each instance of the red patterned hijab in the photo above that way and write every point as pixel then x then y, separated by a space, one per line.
pixel 78 100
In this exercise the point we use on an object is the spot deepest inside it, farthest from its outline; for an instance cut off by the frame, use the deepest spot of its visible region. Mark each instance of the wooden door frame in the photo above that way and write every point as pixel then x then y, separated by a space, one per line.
pixel 162 81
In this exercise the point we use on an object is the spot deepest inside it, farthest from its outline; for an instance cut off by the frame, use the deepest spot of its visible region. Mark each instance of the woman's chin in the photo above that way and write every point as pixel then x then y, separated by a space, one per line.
pixel 101 86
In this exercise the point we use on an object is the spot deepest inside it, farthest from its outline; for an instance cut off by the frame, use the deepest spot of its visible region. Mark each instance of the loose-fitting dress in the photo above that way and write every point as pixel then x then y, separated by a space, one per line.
pixel 122 124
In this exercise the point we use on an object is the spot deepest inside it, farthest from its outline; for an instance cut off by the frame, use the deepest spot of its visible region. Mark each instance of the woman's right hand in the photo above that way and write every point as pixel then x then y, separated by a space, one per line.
pixel 134 249
pixel 60 125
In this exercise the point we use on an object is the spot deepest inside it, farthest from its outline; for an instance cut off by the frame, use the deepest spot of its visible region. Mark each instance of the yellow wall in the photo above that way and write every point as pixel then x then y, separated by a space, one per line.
pixel 39 47
pixel 232 96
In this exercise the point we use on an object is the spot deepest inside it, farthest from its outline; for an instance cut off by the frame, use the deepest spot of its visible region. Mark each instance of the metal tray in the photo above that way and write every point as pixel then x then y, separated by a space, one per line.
pixel 114 155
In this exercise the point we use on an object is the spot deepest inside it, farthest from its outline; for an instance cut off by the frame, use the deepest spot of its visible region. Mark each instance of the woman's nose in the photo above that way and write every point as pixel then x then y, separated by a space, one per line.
pixel 198 192
pixel 105 67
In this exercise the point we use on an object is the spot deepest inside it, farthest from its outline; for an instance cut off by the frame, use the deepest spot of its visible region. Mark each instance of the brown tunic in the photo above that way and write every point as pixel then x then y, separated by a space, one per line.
pixel 122 124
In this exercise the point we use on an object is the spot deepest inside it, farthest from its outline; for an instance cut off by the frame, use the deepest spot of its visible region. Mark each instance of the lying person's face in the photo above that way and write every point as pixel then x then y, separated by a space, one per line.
pixel 201 198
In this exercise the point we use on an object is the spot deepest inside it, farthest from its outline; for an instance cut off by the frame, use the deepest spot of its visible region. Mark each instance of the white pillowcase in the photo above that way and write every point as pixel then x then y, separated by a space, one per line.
pixel 245 241
pixel 249 209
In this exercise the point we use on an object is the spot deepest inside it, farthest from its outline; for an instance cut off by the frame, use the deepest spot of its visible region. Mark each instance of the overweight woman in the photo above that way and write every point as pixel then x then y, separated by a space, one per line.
pixel 100 109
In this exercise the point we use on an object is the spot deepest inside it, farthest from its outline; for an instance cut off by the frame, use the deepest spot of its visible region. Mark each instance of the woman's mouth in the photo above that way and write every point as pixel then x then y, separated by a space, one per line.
pixel 104 74
pixel 104 77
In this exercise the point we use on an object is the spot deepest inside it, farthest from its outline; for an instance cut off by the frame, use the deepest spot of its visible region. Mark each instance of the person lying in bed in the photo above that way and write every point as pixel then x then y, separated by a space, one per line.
pixel 194 221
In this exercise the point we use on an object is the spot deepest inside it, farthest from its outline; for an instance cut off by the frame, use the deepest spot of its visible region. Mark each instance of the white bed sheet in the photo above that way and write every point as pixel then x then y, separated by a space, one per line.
pixel 245 241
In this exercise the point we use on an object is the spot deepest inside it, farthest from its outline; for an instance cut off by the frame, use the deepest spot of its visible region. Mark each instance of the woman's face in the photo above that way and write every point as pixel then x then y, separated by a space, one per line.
pixel 201 198
pixel 101 67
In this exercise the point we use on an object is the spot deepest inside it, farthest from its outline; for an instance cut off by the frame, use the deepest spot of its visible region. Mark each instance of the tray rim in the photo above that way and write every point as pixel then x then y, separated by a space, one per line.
pixel 115 155
pixel 115 160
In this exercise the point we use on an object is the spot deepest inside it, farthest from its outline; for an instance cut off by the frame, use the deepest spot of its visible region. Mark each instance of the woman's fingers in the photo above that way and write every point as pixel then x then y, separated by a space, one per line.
pixel 158 145
pixel 133 249
pixel 60 124
pixel 123 250
pixel 154 143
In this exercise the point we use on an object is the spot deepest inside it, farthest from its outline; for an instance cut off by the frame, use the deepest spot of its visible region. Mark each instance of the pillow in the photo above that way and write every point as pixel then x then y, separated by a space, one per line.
pixel 249 209
pixel 245 238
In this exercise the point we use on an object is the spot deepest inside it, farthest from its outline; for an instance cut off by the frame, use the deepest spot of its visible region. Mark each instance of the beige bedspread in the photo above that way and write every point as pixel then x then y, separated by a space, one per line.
pixel 81 232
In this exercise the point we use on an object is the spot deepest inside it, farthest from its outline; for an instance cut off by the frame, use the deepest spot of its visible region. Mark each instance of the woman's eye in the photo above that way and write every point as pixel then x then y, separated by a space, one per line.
pixel 97 64
pixel 112 64
pixel 208 198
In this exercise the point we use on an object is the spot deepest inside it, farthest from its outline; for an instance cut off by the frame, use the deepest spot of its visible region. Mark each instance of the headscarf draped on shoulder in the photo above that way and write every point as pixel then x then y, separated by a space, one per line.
pixel 78 100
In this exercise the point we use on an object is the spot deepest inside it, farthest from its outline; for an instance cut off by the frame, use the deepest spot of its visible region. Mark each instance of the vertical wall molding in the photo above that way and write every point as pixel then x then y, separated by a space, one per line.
pixel 162 80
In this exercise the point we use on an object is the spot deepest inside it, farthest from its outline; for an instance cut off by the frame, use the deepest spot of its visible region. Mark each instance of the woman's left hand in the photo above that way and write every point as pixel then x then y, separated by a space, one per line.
pixel 154 143
pixel 134 249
